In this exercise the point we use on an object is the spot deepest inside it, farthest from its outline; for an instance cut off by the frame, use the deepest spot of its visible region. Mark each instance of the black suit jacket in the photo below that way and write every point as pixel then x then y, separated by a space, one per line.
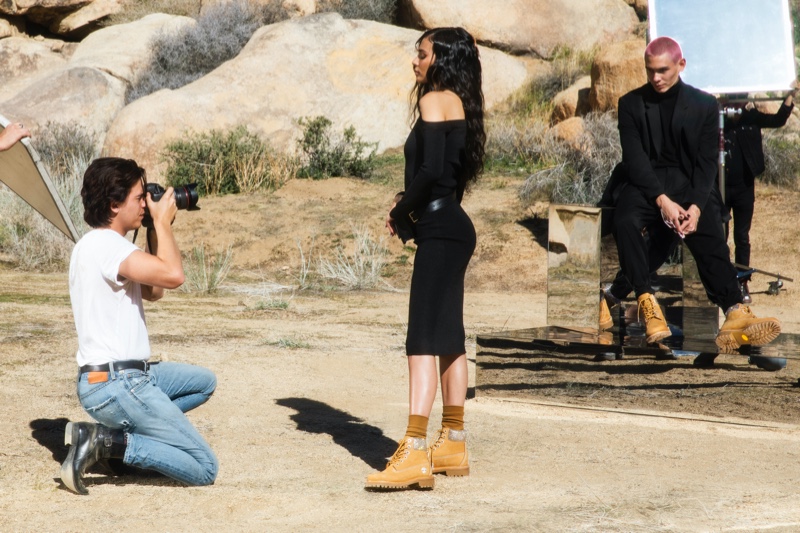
pixel 745 134
pixel 695 124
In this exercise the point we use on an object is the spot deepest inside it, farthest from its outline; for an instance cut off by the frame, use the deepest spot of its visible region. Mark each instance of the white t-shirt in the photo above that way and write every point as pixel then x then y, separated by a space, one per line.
pixel 109 316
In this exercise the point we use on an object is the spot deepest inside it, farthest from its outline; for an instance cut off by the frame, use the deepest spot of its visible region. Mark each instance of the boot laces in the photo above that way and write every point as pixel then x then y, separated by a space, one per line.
pixel 649 310
pixel 440 438
pixel 401 453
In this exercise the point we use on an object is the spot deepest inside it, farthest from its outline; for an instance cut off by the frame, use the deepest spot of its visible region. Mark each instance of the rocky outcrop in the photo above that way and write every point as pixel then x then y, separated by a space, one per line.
pixel 617 69
pixel 124 50
pixel 640 6
pixel 354 72
pixel 53 81
pixel 528 26
pixel 572 101
pixel 24 60
pixel 80 95
pixel 62 17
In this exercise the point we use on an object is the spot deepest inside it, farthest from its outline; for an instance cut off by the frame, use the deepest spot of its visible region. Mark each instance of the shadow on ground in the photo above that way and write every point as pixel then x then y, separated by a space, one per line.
pixel 362 440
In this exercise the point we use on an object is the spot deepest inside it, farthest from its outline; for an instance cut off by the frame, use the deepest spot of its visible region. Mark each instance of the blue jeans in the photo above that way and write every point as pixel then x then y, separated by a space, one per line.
pixel 150 408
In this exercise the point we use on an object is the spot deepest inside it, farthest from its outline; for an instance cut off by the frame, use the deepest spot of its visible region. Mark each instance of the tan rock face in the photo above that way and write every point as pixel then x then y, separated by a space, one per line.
pixel 572 101
pixel 570 131
pixel 640 6
pixel 617 69
pixel 529 26
pixel 354 72
pixel 22 7
pixel 85 16
pixel 78 95
pixel 24 60
pixel 123 50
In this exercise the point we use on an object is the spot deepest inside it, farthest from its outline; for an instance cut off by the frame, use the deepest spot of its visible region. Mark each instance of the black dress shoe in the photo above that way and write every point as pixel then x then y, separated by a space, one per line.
pixel 81 437
pixel 746 298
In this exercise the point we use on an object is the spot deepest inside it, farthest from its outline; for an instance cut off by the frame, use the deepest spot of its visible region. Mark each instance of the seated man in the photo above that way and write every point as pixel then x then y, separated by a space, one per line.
pixel 669 136
pixel 139 405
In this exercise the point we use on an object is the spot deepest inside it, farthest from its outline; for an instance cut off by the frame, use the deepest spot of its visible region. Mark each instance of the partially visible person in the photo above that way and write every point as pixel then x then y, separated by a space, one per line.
pixel 444 154
pixel 744 161
pixel 669 137
pixel 139 406
pixel 12 134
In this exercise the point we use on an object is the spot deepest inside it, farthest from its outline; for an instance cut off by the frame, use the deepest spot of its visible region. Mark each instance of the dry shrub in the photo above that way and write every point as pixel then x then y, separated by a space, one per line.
pixel 575 173
pixel 360 269
pixel 32 241
pixel 221 32
pixel 204 271
pixel 782 158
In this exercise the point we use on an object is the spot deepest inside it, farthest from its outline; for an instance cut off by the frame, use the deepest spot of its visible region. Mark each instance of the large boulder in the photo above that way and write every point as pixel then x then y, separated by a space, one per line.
pixel 123 50
pixel 79 95
pixel 617 69
pixel 572 101
pixel 354 72
pixel 24 60
pixel 528 26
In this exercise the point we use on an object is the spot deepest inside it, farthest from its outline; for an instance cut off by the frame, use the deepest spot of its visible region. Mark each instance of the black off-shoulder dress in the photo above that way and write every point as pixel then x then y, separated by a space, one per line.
pixel 445 237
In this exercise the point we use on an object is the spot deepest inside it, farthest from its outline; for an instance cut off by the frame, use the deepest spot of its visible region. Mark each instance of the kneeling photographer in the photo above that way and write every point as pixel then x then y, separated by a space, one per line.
pixel 139 406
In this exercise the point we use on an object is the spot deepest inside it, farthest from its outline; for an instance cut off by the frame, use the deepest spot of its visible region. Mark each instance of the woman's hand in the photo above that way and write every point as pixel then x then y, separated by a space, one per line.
pixel 390 221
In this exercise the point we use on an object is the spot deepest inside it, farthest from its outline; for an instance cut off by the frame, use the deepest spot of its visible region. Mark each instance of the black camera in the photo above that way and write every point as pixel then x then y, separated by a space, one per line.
pixel 186 197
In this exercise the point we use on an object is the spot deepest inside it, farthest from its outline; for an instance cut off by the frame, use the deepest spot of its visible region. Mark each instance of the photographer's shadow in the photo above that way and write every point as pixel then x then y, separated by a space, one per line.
pixel 366 442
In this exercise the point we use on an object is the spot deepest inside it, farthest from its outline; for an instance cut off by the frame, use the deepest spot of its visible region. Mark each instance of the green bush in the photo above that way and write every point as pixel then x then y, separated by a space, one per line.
pixel 219 35
pixel 226 162
pixel 324 155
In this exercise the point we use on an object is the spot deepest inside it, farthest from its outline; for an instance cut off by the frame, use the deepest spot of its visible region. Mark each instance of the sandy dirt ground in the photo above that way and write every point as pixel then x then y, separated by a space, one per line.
pixel 312 395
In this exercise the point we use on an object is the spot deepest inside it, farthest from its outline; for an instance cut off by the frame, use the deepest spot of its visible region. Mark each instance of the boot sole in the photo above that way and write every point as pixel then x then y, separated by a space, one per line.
pixel 755 335
pixel 657 336
pixel 455 471
pixel 71 436
pixel 606 325
pixel 422 483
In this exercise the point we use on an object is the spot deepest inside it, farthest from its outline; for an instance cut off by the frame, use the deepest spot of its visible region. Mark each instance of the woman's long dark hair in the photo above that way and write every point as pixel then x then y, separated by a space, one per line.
pixel 457 67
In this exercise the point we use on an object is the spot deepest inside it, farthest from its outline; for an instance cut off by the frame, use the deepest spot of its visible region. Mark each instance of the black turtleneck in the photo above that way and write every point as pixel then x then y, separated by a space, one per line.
pixel 669 150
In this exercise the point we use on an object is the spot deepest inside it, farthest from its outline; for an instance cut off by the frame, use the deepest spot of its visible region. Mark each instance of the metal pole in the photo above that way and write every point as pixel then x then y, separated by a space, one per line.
pixel 722 153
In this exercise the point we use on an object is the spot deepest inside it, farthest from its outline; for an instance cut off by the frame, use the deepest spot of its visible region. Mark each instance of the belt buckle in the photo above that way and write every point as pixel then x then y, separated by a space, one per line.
pixel 412 217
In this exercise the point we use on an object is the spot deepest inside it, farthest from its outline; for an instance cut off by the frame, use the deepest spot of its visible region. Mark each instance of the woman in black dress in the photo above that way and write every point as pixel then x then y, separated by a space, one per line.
pixel 444 154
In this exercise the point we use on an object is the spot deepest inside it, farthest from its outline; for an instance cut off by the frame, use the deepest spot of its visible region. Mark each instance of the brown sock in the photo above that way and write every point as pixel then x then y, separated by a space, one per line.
pixel 417 426
pixel 453 417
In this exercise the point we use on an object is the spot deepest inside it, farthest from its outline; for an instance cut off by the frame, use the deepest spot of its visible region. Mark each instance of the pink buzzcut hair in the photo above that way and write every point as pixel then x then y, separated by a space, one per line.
pixel 664 45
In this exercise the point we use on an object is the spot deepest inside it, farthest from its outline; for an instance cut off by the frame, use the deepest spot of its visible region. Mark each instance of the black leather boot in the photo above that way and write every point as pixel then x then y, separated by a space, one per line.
pixel 88 443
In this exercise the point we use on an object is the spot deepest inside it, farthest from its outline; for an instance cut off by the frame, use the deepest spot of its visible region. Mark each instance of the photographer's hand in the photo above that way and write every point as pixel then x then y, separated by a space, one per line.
pixel 161 268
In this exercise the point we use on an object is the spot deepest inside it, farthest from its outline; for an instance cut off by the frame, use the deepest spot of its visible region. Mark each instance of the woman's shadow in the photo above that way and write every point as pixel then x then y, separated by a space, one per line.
pixel 366 442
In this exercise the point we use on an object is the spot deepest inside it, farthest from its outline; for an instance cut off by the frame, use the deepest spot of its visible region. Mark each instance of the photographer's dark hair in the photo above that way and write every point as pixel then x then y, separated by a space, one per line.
pixel 457 67
pixel 107 180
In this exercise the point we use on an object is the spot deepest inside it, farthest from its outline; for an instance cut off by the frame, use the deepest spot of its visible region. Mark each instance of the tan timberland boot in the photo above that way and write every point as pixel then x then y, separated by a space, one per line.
pixel 605 321
pixel 655 325
pixel 410 465
pixel 742 327
pixel 449 453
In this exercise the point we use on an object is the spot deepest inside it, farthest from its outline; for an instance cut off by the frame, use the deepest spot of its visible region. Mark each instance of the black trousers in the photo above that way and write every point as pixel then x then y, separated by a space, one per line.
pixel 634 213
pixel 740 201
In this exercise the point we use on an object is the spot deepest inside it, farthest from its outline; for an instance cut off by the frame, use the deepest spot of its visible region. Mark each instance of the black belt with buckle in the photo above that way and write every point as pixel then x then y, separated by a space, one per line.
pixel 434 206
pixel 138 364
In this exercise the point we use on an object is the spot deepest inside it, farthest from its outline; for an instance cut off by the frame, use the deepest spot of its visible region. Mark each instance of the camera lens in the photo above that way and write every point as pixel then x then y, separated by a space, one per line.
pixel 186 196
